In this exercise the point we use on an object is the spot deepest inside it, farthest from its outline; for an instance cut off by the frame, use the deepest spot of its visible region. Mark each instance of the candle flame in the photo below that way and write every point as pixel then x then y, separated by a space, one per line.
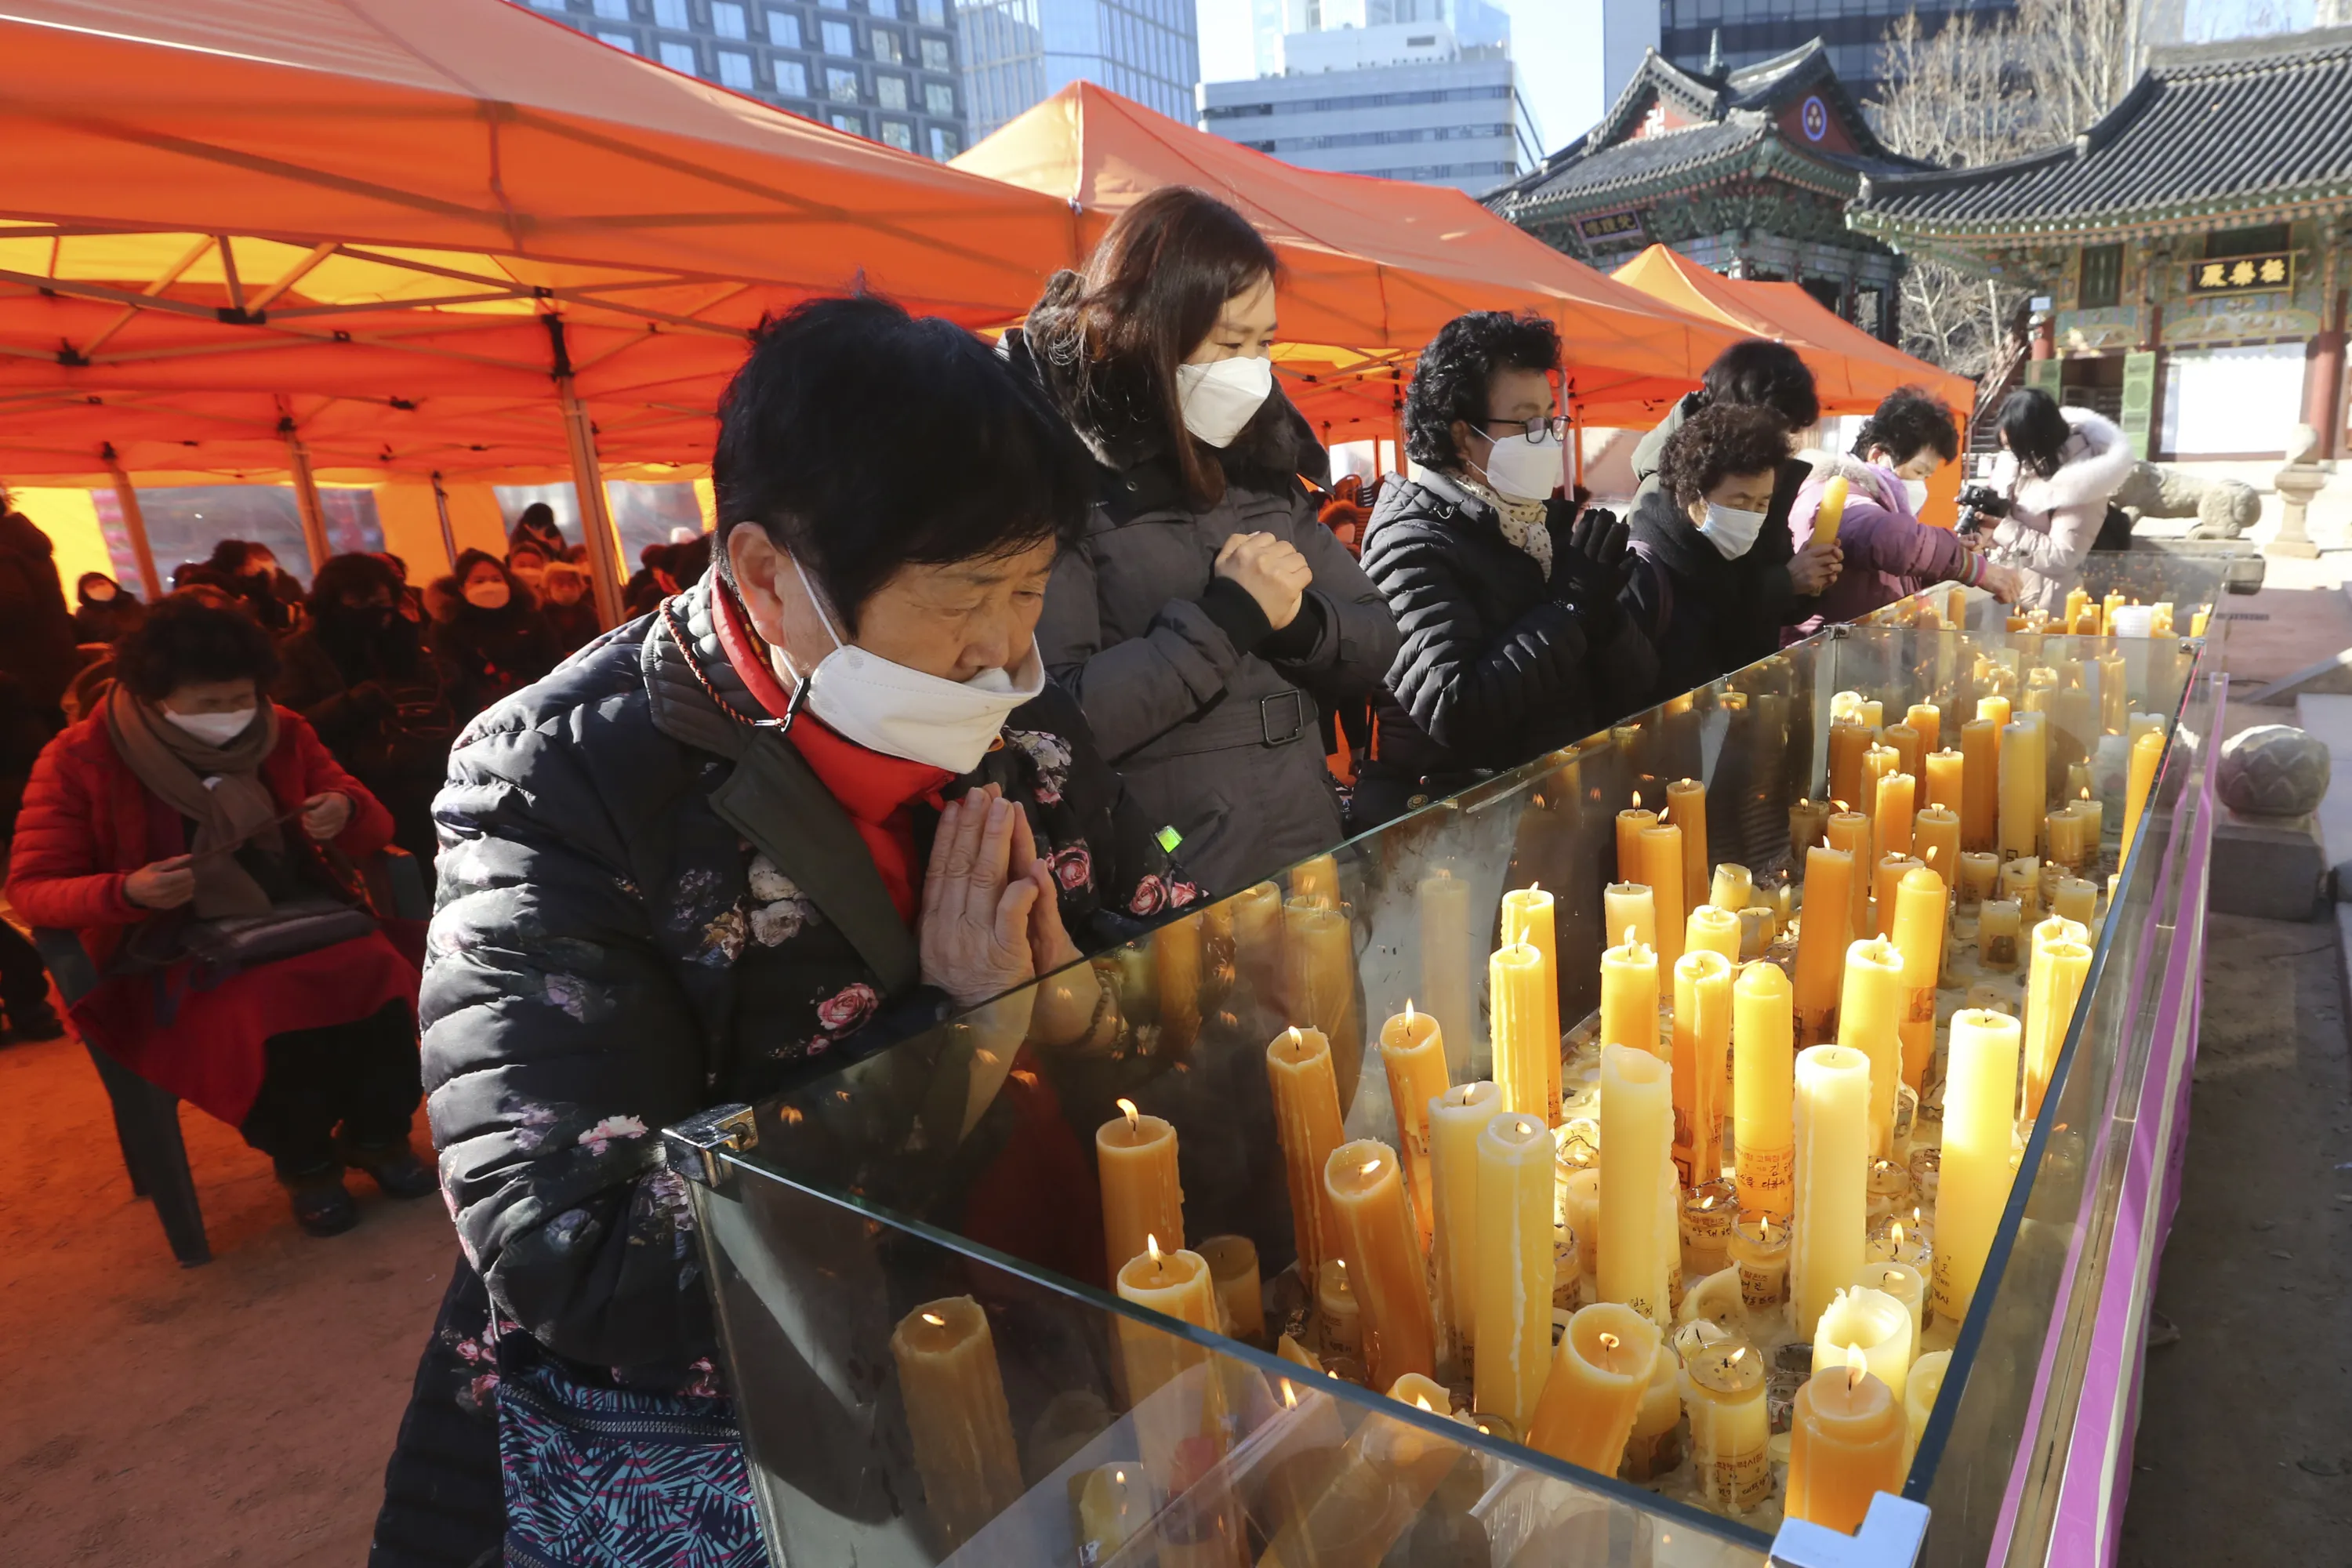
pixel 1631 933
pixel 1857 1367
pixel 2086 792
pixel 1151 1245
pixel 1423 1400
pixel 1409 1019
pixel 1842 807
pixel 1289 1395
pixel 1134 1117
pixel 1120 1476
pixel 1637 800
pixel 1738 1353
pixel 1294 1037
pixel 1369 1166
pixel 1609 1341
pixel 1893 1277
pixel 1527 1127
pixel 935 1320
pixel 1898 1233
pixel 1708 1202
pixel 1463 1090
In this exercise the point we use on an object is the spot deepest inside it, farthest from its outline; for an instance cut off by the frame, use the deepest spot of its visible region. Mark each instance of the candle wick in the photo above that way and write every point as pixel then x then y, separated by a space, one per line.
pixel 1134 1118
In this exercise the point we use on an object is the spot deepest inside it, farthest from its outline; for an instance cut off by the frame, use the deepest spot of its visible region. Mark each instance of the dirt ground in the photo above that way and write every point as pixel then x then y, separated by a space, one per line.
pixel 2245 1430
pixel 237 1412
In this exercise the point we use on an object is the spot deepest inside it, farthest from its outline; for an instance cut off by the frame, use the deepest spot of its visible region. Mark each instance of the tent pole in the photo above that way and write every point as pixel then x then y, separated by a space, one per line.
pixel 306 489
pixel 448 533
pixel 134 522
pixel 1575 450
pixel 588 480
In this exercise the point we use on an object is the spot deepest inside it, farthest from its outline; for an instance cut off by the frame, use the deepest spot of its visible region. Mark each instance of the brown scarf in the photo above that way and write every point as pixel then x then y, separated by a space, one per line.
pixel 219 788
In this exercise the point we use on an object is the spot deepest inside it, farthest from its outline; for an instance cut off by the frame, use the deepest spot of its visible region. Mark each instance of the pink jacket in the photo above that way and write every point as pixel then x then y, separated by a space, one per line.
pixel 1889 553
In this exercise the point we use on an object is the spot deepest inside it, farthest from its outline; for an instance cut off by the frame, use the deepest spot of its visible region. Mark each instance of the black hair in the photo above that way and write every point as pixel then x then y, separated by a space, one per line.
pixel 1906 422
pixel 228 556
pixel 518 594
pixel 1717 443
pixel 355 576
pixel 1452 380
pixel 2036 431
pixel 184 640
pixel 82 583
pixel 863 440
pixel 538 514
pixel 1757 373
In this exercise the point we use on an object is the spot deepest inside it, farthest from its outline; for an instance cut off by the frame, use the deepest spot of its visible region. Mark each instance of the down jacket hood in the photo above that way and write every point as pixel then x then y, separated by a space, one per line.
pixel 2094 460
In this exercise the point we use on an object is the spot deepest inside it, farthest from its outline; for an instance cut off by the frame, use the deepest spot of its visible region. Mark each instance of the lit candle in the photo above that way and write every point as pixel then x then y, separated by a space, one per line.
pixel 1723 1392
pixel 1981 780
pixel 1306 1121
pixel 1654 1445
pixel 1848 741
pixel 1580 1206
pixel 1877 1324
pixel 1376 1487
pixel 1759 1247
pixel 1316 882
pixel 2024 784
pixel 1598 1374
pixel 1629 997
pixel 1457 1119
pixel 956 1416
pixel 1905 1284
pixel 1257 929
pixel 2054 976
pixel 1709 1211
pixel 1890 827
pixel 1702 1037
pixel 2077 599
pixel 1135 1156
pixel 1114 1504
pixel 1526 917
pixel 1886 877
pixel 1179 1285
pixel 2160 623
pixel 1920 905
pixel 2107 609
pixel 1318 954
pixel 1870 1015
pixel 2115 693
pixel 1412 1049
pixel 1946 779
pixel 1850 831
pixel 1385 1267
pixel 1233 1270
pixel 1808 821
pixel 1630 824
pixel 1733 887
pixel 1686 809
pixel 1979 1096
pixel 2139 724
pixel 1919 1398
pixel 2146 750
pixel 2064 829
pixel 1980 878
pixel 1999 921
pixel 1514 1281
pixel 1524 1008
pixel 1636 1137
pixel 2077 901
pixel 1832 1122
pixel 2021 884
pixel 2198 619
pixel 1662 869
pixel 1339 1316
pixel 1762 1087
pixel 1712 930
pixel 1876 762
pixel 1291 1350
pixel 1929 720
pixel 1447 951
pixel 1176 965
pixel 1845 1445
pixel 1908 745
pixel 1629 907
pixel 1822 939
pixel 1935 841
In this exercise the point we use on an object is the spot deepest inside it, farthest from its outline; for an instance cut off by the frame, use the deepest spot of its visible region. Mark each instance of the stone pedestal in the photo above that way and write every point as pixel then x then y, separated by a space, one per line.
pixel 2270 867
pixel 2296 483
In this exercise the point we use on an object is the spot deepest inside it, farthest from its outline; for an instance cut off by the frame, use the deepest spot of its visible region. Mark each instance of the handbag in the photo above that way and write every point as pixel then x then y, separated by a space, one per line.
pixel 618 1477
pixel 230 944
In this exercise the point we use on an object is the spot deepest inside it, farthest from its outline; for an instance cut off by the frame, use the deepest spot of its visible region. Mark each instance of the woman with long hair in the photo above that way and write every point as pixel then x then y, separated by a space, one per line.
pixel 495 641
pixel 1205 614
pixel 2057 467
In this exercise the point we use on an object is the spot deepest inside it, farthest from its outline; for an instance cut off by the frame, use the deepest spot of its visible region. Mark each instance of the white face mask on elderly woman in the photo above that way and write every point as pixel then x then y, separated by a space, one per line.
pixel 212 729
pixel 1732 531
pixel 1222 396
pixel 1523 470
pixel 902 712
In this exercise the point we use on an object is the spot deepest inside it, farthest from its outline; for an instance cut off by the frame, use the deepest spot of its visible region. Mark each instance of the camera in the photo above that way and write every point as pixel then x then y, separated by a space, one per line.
pixel 1977 503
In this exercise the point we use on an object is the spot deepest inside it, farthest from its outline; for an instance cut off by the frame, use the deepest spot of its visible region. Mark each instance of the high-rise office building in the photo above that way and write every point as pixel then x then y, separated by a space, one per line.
pixel 1018 53
pixel 886 71
pixel 1407 89
pixel 1686 32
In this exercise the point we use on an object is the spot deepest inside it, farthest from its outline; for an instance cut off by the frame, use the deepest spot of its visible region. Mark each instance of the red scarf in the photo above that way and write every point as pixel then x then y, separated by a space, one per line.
pixel 876 791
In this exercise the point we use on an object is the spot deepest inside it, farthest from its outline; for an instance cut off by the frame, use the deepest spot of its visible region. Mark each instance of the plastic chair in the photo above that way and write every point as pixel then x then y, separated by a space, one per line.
pixel 147 1118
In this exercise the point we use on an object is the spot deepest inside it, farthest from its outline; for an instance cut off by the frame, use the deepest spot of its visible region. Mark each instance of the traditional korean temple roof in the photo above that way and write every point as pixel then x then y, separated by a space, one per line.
pixel 1672 129
pixel 2258 129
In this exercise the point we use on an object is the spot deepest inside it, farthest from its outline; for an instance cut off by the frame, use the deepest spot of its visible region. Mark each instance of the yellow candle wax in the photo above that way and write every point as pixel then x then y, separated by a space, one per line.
pixel 1886 877
pixel 1412 1049
pixel 1339 1316
pixel 1980 878
pixel 1385 1265
pixel 1822 939
pixel 1526 917
pixel 1870 1014
pixel 1177 1284
pixel 1448 986
pixel 2062 831
pixel 1631 824
pixel 1873 1321
pixel 1927 719
pixel 1176 965
pixel 1935 841
pixel 1256 914
pixel 1946 779
pixel 1291 1350
pixel 1848 741
pixel 2077 599
pixel 1306 1121
pixel 1733 887
pixel 2142 723
pixel 1809 821
pixel 1845 1446
pixel 1759 1249
pixel 1980 782
pixel 1920 1397
pixel 1662 869
pixel 1514 1278
pixel 1731 1431
pixel 1850 831
pixel 2021 884
pixel 1316 882
pixel 1833 1128
pixel 1686 809
pixel 1708 1210
pixel 2077 901
pixel 1135 1157
pixel 1762 1081
pixel 1629 907
pixel 1318 954
pixel 1369 1495
pixel 1871 712
pixel 1654 1445
pixel 956 1416
pixel 1637 1122
pixel 1876 762
pixel 1979 1094
pixel 1629 997
pixel 2000 922
pixel 1702 1037
pixel 1905 1284
pixel 1890 827
pixel 2159 624
pixel 1909 746
pixel 1712 930
pixel 1598 1375
pixel 2115 693
pixel 1831 512
pixel 1460 1114
pixel 2055 975
pixel 1579 1208
pixel 2146 750
pixel 1919 909
pixel 2024 782
pixel 1233 1270
pixel 1523 1005
pixel 2198 619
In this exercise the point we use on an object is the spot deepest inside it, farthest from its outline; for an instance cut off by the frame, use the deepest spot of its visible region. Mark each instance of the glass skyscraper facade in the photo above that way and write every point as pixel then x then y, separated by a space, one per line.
pixel 888 70
pixel 1017 53
pixel 1686 31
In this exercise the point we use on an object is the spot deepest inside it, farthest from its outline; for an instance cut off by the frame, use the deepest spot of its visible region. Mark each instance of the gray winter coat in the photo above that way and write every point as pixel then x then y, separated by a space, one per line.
pixel 1209 713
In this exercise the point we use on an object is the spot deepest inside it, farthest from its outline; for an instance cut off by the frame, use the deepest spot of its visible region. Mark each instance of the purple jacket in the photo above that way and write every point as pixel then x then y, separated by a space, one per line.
pixel 1889 553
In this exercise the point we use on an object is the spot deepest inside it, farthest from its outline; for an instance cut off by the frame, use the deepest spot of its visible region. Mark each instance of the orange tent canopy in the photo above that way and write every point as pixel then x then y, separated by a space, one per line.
pixel 1373 267
pixel 1852 369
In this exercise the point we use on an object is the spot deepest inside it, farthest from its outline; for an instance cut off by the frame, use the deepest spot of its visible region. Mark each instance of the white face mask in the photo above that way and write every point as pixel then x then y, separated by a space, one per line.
pixel 101 594
pixel 1523 470
pixel 487 594
pixel 903 712
pixel 1224 395
pixel 1732 533
pixel 1916 492
pixel 213 729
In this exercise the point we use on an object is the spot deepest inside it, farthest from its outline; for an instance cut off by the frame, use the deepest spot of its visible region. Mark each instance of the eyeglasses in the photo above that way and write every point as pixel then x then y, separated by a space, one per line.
pixel 1536 429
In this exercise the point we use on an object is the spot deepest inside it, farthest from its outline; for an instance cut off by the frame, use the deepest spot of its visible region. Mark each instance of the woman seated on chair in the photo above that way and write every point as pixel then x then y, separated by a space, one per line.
pixel 198 840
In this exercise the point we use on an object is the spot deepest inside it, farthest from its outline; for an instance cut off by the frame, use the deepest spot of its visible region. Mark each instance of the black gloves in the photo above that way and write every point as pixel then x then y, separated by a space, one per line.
pixel 1591 556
